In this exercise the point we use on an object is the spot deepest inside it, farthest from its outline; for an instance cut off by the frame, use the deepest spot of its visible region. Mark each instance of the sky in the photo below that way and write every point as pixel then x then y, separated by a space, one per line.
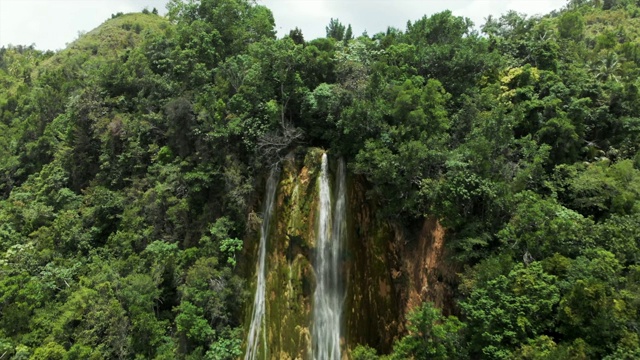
pixel 51 24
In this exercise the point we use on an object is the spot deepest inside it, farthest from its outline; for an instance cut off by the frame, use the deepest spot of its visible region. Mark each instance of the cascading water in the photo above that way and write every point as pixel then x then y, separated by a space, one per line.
pixel 328 297
pixel 257 315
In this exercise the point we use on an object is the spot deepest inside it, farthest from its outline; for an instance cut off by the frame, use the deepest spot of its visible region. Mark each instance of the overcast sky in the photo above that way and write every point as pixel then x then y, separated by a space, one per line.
pixel 51 24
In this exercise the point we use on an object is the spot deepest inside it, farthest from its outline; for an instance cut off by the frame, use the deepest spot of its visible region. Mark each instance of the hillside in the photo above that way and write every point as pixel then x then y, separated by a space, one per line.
pixel 169 188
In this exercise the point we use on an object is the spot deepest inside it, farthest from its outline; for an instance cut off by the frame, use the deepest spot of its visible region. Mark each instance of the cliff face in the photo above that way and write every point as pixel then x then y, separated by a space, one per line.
pixel 428 273
pixel 390 271
pixel 290 274
pixel 387 270
pixel 372 310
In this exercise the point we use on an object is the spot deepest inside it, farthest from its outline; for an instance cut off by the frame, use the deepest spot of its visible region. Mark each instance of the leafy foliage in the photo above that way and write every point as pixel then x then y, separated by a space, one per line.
pixel 129 163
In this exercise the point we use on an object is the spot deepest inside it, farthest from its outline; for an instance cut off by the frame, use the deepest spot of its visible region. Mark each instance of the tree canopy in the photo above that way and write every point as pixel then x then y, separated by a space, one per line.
pixel 130 162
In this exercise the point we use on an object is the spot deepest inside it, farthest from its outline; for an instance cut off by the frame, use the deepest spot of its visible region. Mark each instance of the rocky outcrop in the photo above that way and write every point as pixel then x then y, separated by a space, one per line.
pixel 430 275
pixel 388 270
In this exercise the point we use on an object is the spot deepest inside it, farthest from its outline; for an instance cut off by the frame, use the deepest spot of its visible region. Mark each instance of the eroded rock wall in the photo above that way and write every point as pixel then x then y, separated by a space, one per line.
pixel 372 312
pixel 291 279
pixel 388 270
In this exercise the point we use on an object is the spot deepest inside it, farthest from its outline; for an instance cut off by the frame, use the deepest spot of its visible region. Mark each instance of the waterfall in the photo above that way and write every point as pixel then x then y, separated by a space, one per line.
pixel 257 315
pixel 328 297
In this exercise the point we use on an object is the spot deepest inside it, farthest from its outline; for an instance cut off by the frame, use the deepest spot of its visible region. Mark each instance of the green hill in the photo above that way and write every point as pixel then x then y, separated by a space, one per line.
pixel 114 36
pixel 493 202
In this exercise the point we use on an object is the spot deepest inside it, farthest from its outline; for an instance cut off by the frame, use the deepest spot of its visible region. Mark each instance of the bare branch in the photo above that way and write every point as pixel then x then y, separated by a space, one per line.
pixel 273 146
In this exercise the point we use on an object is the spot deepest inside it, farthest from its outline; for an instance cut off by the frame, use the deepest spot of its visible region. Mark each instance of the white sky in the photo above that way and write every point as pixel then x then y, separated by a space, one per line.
pixel 51 24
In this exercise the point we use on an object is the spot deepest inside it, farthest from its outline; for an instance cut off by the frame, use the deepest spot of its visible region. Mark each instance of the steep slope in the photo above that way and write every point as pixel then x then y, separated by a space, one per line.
pixel 111 39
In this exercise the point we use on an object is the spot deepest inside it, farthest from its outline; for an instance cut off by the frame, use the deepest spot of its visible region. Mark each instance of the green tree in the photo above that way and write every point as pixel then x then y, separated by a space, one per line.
pixel 591 306
pixel 571 26
pixel 508 310
pixel 431 336
pixel 297 36
pixel 540 228
pixel 335 30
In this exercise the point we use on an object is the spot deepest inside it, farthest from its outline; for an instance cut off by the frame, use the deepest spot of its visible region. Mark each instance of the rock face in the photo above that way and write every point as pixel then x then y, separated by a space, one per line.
pixel 372 312
pixel 387 270
pixel 430 276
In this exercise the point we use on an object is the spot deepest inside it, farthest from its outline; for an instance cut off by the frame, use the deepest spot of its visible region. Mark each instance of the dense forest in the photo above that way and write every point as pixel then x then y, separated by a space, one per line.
pixel 133 166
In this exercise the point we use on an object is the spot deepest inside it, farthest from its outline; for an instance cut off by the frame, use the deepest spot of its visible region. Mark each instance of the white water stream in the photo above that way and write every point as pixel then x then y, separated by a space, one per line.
pixel 257 332
pixel 328 297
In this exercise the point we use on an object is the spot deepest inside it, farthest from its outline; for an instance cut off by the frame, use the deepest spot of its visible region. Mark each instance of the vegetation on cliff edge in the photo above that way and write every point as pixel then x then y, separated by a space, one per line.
pixel 133 161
